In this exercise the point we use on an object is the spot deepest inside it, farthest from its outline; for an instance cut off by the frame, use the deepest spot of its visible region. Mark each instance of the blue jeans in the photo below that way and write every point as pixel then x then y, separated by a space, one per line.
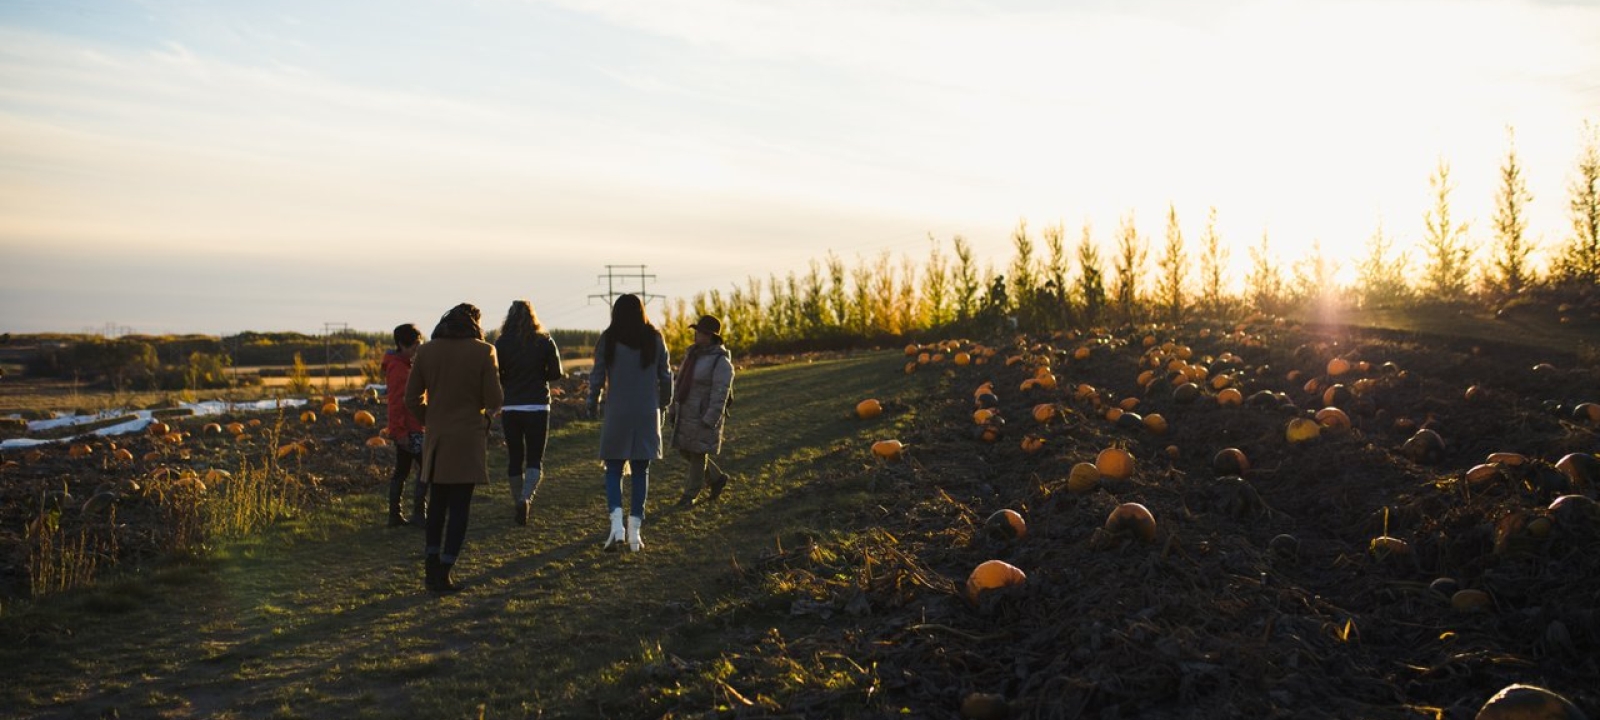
pixel 641 485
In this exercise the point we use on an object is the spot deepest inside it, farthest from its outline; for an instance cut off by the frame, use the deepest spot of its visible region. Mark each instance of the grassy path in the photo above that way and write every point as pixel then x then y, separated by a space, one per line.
pixel 324 617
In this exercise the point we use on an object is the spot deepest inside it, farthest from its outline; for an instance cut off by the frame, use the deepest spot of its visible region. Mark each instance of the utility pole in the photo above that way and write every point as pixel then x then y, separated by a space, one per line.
pixel 330 353
pixel 613 278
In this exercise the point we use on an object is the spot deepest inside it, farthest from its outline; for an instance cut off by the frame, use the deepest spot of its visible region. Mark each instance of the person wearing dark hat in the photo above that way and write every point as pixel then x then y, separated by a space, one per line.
pixel 454 390
pixel 700 404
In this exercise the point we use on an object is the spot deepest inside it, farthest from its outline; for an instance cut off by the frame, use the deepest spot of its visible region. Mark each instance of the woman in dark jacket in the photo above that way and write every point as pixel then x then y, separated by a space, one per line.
pixel 454 390
pixel 529 361
pixel 631 372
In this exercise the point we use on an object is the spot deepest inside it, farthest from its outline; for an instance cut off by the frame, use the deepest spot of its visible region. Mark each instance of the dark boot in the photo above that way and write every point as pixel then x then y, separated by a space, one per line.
pixel 718 481
pixel 430 572
pixel 395 519
pixel 444 584
pixel 521 512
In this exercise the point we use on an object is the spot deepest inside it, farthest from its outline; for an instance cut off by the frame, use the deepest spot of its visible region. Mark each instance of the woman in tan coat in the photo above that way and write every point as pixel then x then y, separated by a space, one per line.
pixel 699 407
pixel 454 390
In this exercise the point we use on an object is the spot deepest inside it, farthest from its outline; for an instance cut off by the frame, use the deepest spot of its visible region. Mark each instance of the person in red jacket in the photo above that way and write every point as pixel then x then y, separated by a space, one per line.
pixel 404 429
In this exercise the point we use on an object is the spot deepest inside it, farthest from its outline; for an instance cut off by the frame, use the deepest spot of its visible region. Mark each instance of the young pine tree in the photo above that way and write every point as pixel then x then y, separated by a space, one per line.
pixel 1091 282
pixel 1129 265
pixel 1447 252
pixel 1213 258
pixel 936 302
pixel 1173 267
pixel 1024 275
pixel 1510 271
pixel 965 277
pixel 1579 261
pixel 1381 276
pixel 1055 294
pixel 1264 284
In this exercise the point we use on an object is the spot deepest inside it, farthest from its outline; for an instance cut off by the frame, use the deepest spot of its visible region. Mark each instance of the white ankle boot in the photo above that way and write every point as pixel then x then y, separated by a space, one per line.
pixel 616 536
pixel 634 541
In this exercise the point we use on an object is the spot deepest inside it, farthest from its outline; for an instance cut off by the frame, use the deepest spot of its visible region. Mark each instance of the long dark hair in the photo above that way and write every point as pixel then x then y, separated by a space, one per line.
pixel 461 322
pixel 631 327
pixel 521 322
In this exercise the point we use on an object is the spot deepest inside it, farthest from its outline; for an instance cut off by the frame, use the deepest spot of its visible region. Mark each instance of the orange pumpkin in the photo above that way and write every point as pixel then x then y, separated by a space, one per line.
pixel 80 450
pixel 1581 468
pixel 1155 423
pixel 1006 524
pixel 1587 411
pixel 888 449
pixel 364 419
pixel 963 359
pixel 1230 461
pixel 1338 366
pixel 1132 519
pixel 377 442
pixel 122 455
pixel 1524 702
pixel 1301 430
pixel 308 417
pixel 993 574
pixel 1084 477
pixel 1506 458
pixel 1483 474
pixel 1032 444
pixel 1333 420
pixel 1470 601
pixel 1230 397
pixel 1114 463
pixel 211 429
pixel 1385 546
pixel 1044 412
pixel 158 428
pixel 330 408
pixel 1424 448
pixel 235 428
pixel 869 409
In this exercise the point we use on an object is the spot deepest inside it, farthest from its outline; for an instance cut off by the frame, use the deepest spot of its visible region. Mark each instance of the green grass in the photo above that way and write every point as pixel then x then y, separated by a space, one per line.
pixel 323 616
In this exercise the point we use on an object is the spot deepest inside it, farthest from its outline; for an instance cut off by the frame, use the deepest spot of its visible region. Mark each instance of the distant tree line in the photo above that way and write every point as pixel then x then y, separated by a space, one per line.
pixel 197 362
pixel 1052 284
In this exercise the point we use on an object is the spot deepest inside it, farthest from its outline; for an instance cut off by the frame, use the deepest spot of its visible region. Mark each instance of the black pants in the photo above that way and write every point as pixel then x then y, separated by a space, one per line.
pixel 525 439
pixel 448 508
pixel 404 460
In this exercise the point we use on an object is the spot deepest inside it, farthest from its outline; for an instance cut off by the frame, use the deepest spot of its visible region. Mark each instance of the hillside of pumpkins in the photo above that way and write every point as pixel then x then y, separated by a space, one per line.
pixel 1195 522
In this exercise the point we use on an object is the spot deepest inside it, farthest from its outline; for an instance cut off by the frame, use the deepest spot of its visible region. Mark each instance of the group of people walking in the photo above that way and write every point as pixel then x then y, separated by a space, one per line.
pixel 454 386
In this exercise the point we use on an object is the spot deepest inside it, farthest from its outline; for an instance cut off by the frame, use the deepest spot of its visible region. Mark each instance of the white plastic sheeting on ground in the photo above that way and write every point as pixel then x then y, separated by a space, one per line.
pixel 142 419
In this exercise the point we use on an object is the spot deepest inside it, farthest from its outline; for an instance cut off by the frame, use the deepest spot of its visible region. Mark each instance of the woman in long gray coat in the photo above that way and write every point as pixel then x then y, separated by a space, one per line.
pixel 632 374
pixel 454 390
pixel 699 406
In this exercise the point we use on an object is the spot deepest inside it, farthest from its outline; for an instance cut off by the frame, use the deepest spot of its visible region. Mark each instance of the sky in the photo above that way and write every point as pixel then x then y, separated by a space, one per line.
pixel 175 166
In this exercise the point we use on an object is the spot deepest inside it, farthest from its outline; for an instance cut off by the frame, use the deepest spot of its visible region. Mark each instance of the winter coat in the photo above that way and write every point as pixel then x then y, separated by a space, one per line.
pixel 455 390
pixel 701 412
pixel 635 397
pixel 527 368
pixel 396 370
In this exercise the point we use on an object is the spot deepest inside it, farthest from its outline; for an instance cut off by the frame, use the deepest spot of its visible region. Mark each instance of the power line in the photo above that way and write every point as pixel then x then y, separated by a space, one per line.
pixel 612 277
